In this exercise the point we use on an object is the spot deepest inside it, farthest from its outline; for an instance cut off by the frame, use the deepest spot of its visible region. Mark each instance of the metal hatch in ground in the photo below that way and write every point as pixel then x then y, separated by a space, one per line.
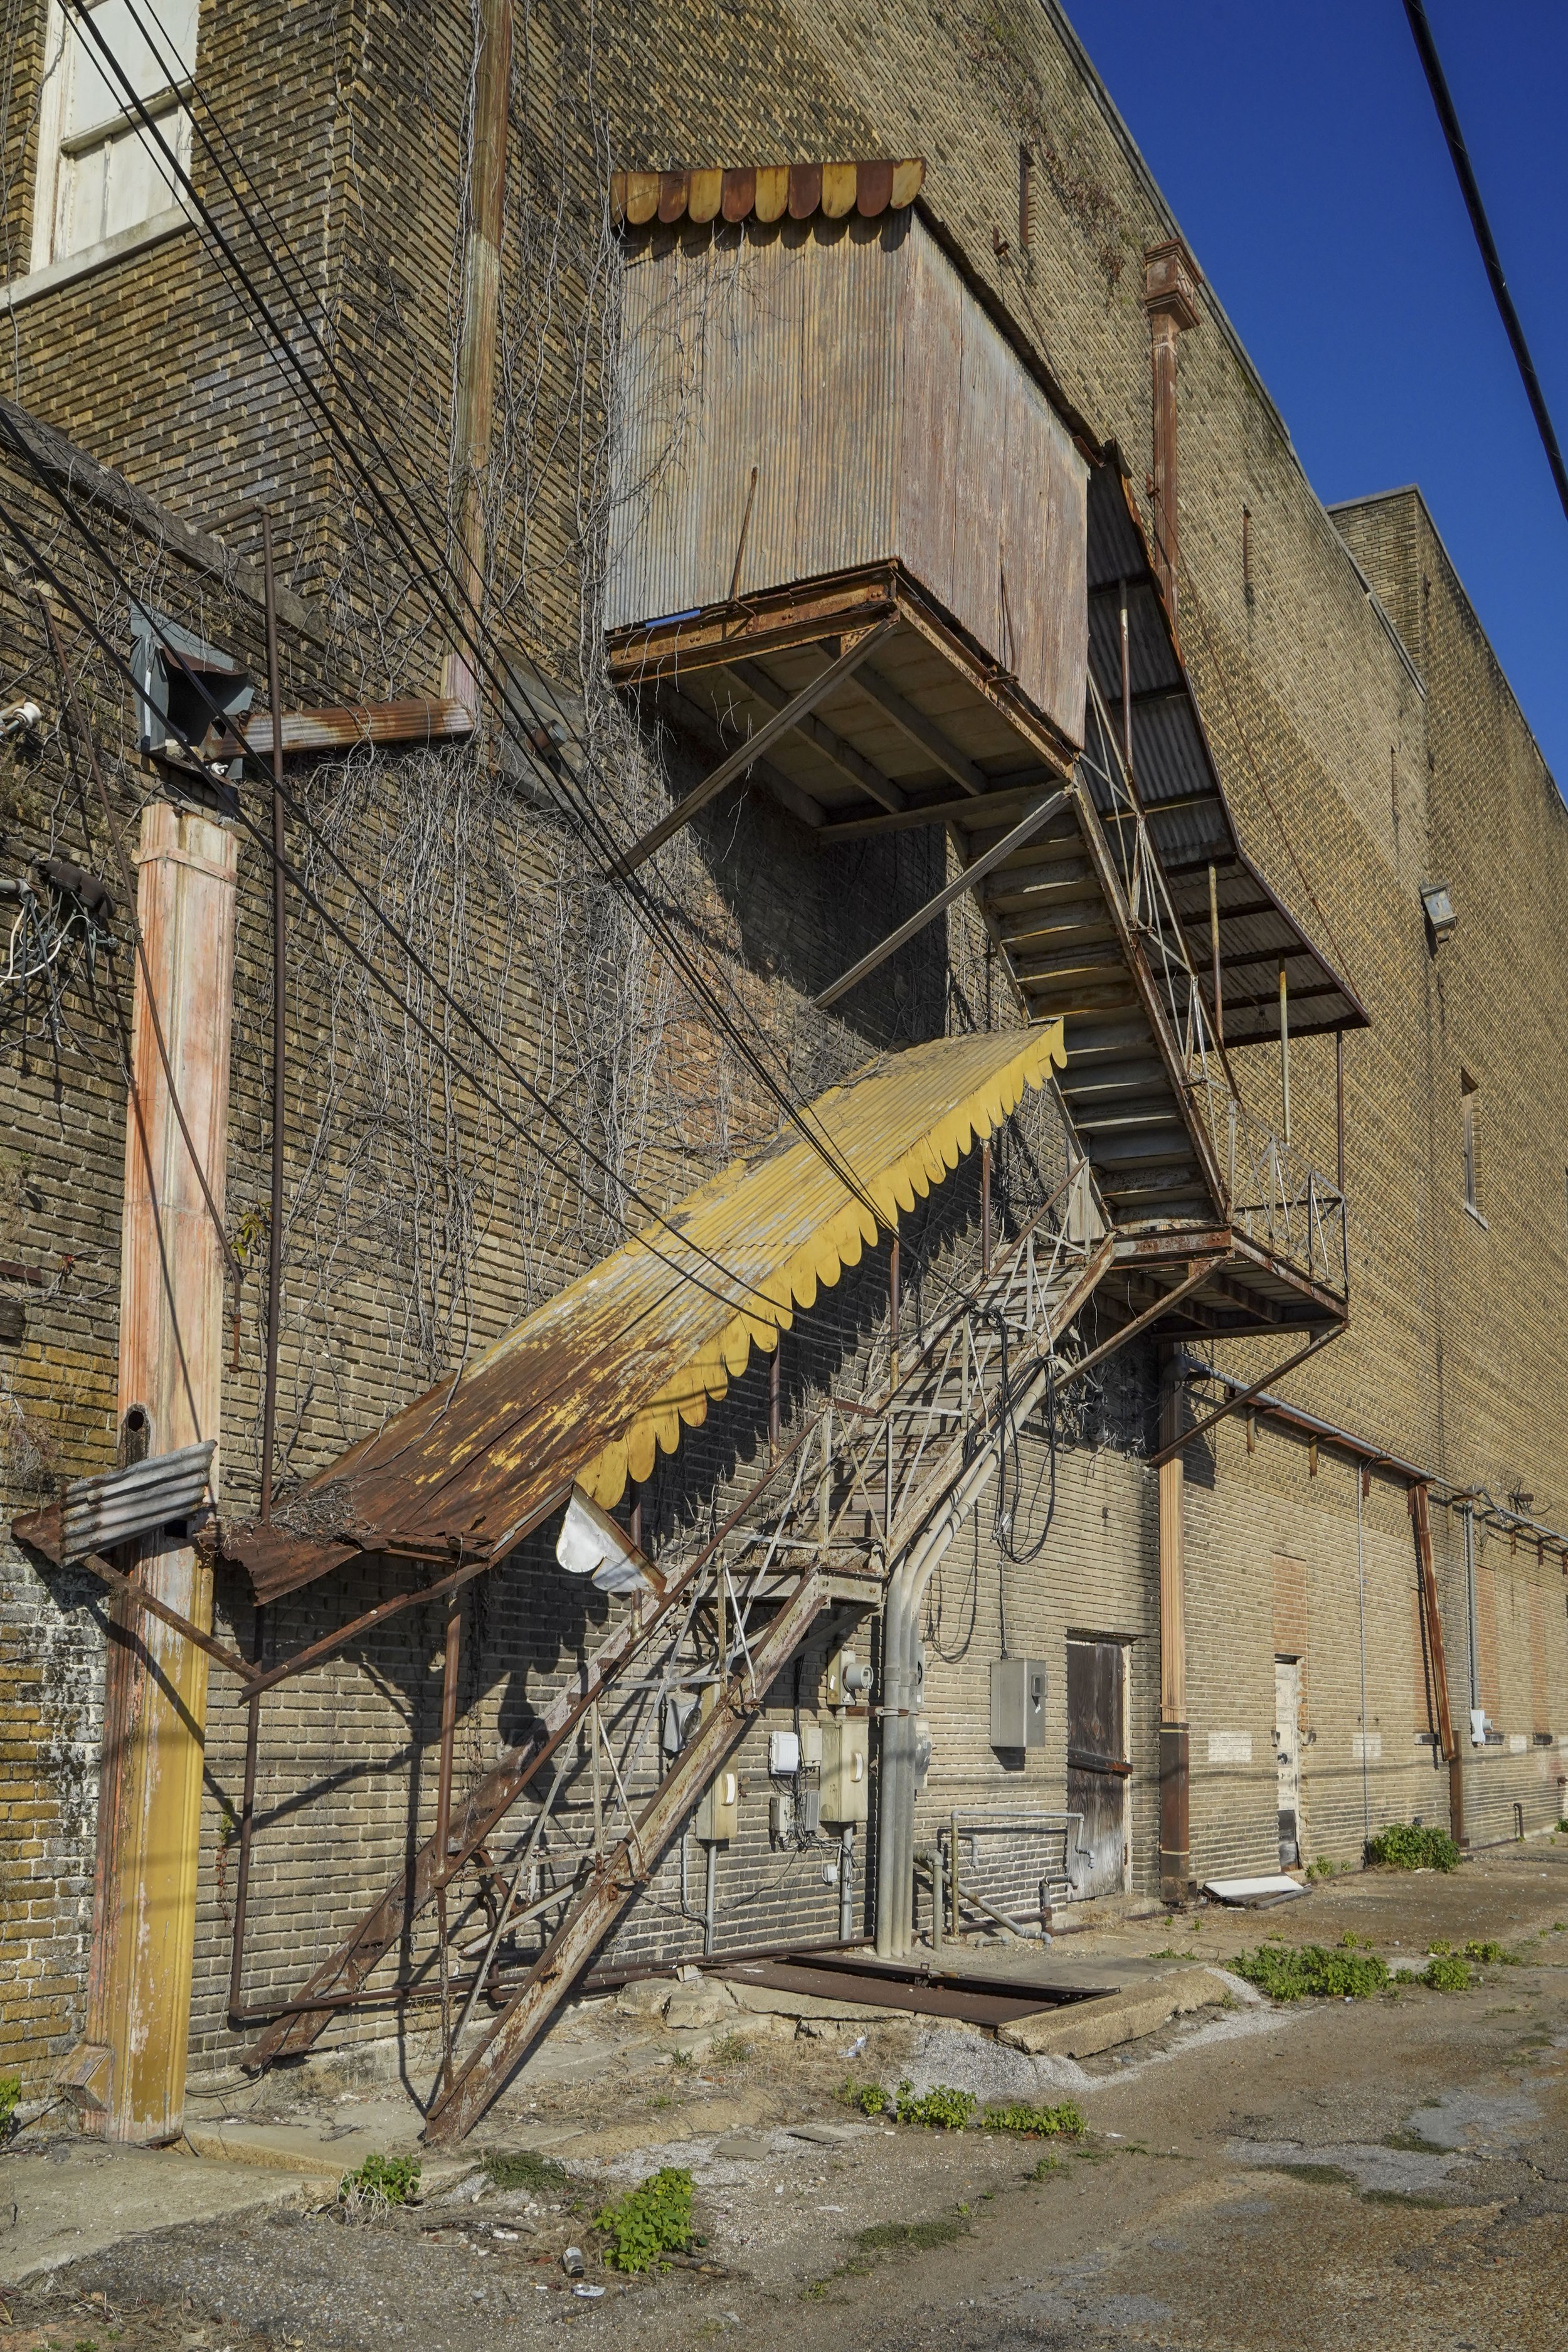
pixel 862 1977
pixel 1098 1770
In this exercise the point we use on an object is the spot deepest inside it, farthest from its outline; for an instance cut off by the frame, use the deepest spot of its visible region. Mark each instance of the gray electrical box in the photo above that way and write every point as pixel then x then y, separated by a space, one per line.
pixel 1017 1703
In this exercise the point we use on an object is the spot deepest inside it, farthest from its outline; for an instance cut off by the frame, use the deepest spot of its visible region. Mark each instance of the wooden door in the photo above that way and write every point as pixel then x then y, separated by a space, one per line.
pixel 1098 1770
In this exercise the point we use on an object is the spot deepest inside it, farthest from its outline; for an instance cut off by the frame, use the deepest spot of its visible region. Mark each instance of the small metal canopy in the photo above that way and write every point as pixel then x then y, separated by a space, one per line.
pixel 591 1388
pixel 1190 823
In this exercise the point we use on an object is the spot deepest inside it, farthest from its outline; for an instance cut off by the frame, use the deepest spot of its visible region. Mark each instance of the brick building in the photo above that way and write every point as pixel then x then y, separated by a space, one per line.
pixel 501 1057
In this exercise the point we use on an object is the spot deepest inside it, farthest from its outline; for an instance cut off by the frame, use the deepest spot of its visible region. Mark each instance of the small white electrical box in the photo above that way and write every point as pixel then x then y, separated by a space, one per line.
pixel 811 1746
pixel 1017 1703
pixel 781 1819
pixel 783 1754
pixel 846 1774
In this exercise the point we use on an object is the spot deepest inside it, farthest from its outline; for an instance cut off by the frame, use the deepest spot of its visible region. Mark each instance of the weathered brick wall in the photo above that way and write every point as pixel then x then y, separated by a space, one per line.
pixel 1369 744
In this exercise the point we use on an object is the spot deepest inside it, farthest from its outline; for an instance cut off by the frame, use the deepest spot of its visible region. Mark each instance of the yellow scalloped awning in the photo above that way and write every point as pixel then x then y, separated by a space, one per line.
pixel 594 1386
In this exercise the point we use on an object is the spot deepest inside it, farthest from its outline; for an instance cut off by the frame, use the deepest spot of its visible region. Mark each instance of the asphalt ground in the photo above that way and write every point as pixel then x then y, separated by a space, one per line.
pixel 1387 2173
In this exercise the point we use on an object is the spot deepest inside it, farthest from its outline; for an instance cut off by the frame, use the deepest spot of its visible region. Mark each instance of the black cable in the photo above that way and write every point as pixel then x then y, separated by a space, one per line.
pixel 1431 65
pixel 505 680
pixel 45 571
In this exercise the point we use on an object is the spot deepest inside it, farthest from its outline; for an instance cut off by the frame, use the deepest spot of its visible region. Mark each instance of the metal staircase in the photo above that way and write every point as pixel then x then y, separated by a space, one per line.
pixel 861 1479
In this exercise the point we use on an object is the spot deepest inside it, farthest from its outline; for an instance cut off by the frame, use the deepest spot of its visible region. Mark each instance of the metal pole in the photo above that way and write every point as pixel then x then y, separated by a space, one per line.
pixel 1285 1047
pixel 1126 686
pixel 893 1314
pixel 246 1823
pixel 952 1875
pixel 846 1883
pixel 1363 1481
pixel 711 1900
pixel 985 1210
pixel 279 1013
pixel 774 1420
pixel 443 1810
pixel 1214 953
pixel 1340 1110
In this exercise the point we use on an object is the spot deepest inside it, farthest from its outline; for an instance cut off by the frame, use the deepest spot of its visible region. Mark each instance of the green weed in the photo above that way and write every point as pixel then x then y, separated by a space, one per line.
pixel 867 2099
pixel 1311 1969
pixel 1447 1973
pixel 648 2223
pixel 730 2050
pixel 380 2180
pixel 941 2108
pixel 1037 2123
pixel 1405 1846
pixel 10 2098
pixel 1487 1951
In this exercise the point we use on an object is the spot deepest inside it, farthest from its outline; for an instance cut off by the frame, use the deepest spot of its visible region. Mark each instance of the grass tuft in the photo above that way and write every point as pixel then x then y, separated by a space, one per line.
pixel 525 2169
pixel 886 2236
pixel 380 2180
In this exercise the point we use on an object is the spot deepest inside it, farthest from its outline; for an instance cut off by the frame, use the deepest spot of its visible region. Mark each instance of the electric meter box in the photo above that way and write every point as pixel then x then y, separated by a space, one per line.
pixel 1017 1703
pixel 845 1771
pixel 719 1814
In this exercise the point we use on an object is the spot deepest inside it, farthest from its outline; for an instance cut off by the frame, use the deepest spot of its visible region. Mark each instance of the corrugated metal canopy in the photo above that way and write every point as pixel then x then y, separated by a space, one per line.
pixel 1178 784
pixel 591 1388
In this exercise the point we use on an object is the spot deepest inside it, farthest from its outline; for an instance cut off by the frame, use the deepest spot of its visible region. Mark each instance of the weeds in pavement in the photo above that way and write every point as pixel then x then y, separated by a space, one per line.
pixel 1311 1969
pixel 648 2223
pixel 941 2108
pixel 1487 1951
pixel 526 2169
pixel 886 2236
pixel 1037 2123
pixel 867 2098
pixel 380 2182
pixel 1405 1845
pixel 1049 2167
pixel 730 2050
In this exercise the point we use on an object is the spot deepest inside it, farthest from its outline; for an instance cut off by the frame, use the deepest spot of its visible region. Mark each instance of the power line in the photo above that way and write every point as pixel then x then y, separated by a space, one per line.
pixel 1426 49
pixel 45 571
pixel 504 680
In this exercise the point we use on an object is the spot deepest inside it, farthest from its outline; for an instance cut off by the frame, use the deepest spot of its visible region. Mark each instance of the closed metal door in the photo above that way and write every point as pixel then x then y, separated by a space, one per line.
pixel 1098 1769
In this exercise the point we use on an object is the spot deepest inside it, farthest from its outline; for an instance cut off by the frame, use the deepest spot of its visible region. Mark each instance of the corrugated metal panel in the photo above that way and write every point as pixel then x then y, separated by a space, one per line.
pixel 886 419
pixel 95 1514
pixel 592 1388
pixel 1189 818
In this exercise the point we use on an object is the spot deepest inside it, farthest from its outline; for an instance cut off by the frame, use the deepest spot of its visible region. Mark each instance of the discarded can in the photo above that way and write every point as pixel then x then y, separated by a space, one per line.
pixel 582 2288
pixel 572 2262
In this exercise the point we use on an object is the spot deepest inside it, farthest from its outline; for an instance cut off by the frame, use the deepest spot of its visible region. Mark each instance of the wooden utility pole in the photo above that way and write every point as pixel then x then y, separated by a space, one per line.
pixel 171 1383
pixel 1170 298
pixel 1175 1861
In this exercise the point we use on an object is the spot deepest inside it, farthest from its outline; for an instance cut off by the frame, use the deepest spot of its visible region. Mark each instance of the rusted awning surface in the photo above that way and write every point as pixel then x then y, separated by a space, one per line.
pixel 591 1388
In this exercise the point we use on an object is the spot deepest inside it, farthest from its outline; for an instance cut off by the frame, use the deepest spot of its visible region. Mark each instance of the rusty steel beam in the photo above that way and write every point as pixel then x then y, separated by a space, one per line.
pixel 620 1875
pixel 136 1597
pixel 920 731
pixel 974 872
pixel 1197 1274
pixel 1169 1452
pixel 781 723
pixel 339 727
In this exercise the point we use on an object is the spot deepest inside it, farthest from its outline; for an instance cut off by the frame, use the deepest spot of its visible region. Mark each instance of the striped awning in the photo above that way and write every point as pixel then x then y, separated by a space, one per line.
pixel 590 1388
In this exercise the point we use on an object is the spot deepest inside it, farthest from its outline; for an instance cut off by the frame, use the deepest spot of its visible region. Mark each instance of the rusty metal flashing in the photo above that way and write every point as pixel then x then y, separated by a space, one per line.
pixel 345 727
pixel 763 192
pixel 842 1975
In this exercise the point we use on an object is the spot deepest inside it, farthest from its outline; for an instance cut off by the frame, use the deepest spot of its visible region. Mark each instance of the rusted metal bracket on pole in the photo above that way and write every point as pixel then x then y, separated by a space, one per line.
pixel 130 1593
pixel 1236 1404
pixel 628 1866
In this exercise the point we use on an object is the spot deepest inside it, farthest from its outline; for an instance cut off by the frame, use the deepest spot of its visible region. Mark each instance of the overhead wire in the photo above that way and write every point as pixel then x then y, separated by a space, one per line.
pixel 504 679
pixel 45 571
pixel 1469 188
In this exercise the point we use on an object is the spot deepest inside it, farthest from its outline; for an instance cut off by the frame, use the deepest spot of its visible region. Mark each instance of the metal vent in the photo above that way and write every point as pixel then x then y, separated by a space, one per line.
pixel 97 1512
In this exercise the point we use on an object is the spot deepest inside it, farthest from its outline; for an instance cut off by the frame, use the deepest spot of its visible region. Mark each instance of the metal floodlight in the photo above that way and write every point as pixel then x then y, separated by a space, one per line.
pixel 1441 920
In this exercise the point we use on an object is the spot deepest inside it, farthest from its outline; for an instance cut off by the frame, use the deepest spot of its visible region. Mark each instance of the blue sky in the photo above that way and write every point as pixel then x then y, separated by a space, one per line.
pixel 1300 153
